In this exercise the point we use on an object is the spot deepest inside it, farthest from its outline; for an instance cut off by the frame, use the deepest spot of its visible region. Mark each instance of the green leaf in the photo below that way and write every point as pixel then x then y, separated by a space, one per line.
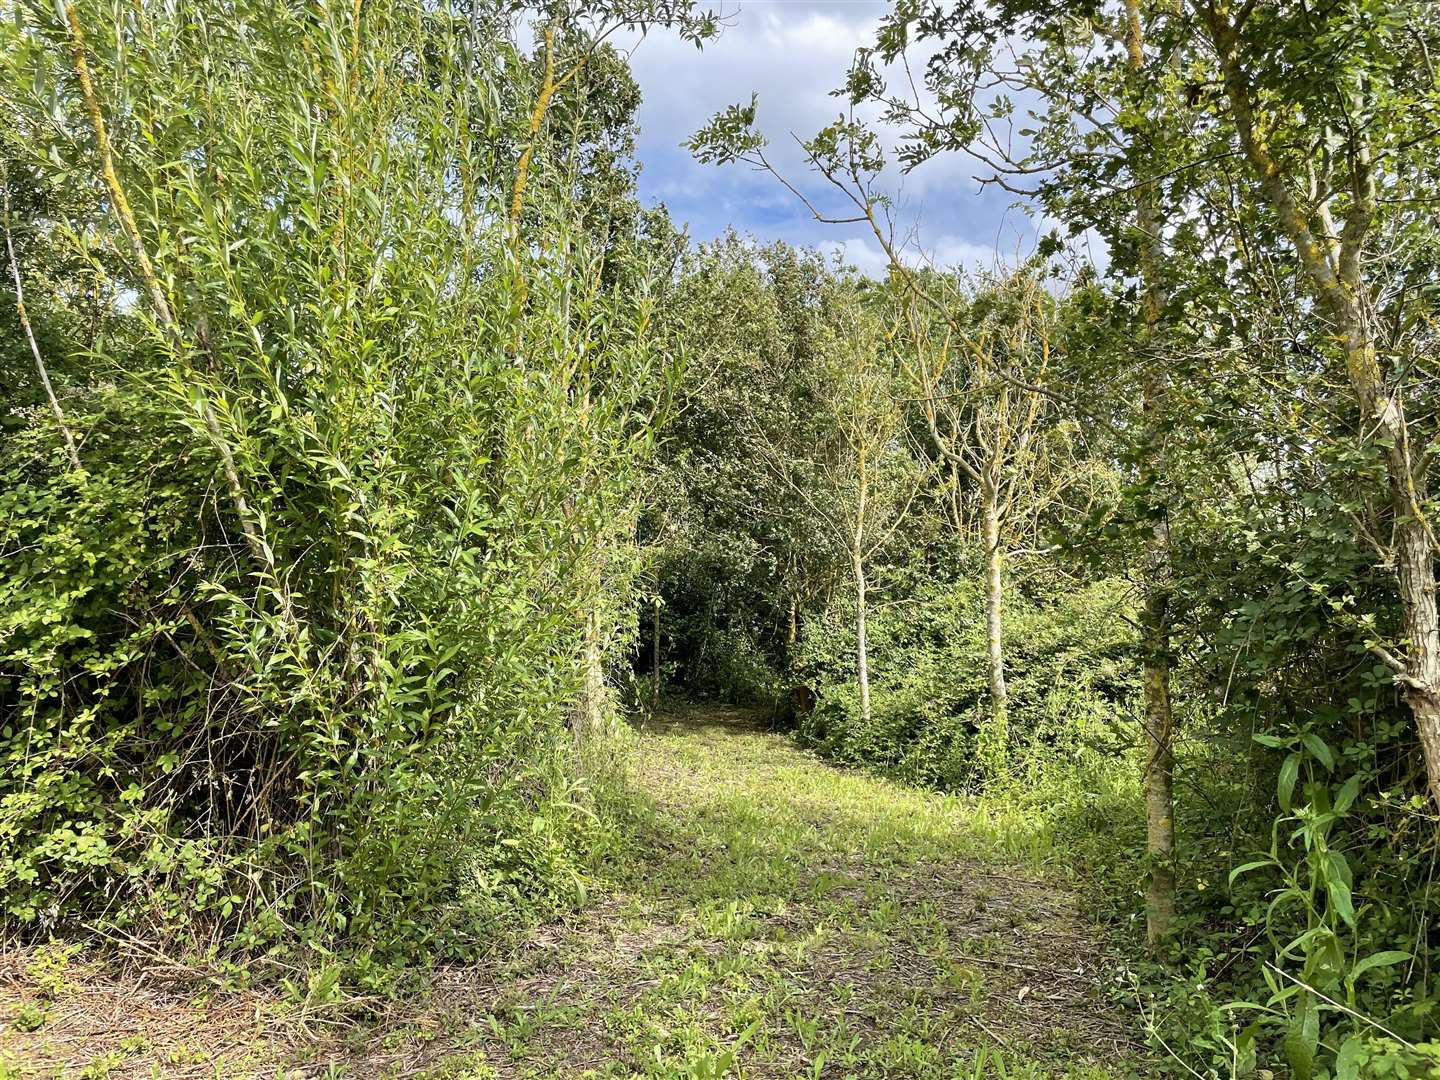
pixel 1375 960
pixel 1303 1037
pixel 1245 1049
pixel 1318 749
pixel 1245 868
pixel 1352 1055
pixel 1285 786
pixel 1341 901
pixel 1337 868
pixel 1348 793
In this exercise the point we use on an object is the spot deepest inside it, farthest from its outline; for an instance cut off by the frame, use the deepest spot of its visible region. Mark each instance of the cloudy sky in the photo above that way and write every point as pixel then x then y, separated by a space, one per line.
pixel 793 53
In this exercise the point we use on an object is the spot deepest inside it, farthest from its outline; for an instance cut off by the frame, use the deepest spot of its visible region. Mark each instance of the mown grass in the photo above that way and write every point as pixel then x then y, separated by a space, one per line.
pixel 790 919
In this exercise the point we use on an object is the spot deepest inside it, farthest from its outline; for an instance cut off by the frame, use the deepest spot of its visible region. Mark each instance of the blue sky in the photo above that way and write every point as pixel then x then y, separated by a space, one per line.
pixel 793 53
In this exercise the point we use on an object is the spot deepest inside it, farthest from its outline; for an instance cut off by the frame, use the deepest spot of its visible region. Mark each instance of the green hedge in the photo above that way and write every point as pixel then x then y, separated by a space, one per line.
pixel 1070 666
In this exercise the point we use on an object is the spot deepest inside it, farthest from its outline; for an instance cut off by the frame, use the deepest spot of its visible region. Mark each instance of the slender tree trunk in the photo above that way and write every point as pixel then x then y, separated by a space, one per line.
pixel 1159 775
pixel 1159 715
pixel 1159 749
pixel 655 655
pixel 862 654
pixel 996 737
pixel 792 630
pixel 1418 675
pixel 1420 679
pixel 591 714
pixel 70 451
pixel 857 558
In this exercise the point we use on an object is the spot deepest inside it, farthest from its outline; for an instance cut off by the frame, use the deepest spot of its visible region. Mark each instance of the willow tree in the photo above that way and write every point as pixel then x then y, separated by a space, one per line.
pixel 318 675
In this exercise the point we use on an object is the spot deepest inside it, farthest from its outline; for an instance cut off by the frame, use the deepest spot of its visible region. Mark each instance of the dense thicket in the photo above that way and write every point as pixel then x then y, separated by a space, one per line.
pixel 352 483
pixel 359 379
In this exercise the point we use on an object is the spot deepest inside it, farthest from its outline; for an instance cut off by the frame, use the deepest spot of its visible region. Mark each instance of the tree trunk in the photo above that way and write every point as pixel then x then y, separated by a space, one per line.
pixel 254 538
pixel 655 656
pixel 792 630
pixel 70 451
pixel 591 714
pixel 1159 775
pixel 1159 758
pixel 862 655
pixel 857 556
pixel 995 739
pixel 1420 681
pixel 1335 272
pixel 1159 716
pixel 1418 675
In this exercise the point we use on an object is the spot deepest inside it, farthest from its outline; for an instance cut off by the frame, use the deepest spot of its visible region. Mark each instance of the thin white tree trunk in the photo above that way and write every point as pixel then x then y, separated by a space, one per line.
pixel 655 656
pixel 792 630
pixel 862 651
pixel 70 450
pixel 591 716
pixel 995 738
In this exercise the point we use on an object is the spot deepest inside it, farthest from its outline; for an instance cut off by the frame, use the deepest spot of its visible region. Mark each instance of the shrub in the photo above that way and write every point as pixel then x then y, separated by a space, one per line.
pixel 295 655
pixel 1069 677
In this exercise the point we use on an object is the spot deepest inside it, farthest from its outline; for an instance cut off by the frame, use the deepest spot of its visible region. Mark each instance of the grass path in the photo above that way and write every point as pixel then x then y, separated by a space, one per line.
pixel 788 919
pixel 796 920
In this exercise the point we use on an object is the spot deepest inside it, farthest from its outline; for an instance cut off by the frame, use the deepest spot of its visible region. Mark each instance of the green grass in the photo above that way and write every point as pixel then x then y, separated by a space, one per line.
pixel 770 917
pixel 783 918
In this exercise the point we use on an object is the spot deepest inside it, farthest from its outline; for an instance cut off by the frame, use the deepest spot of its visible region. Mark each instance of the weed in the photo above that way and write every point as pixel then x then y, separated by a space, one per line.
pixel 31 1016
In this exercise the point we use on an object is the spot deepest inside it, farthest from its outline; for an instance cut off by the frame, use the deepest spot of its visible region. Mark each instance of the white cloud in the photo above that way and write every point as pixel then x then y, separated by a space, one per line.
pixel 794 55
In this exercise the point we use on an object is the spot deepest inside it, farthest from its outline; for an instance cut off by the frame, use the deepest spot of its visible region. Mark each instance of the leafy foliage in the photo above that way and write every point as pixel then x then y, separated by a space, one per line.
pixel 1074 685
pixel 294 655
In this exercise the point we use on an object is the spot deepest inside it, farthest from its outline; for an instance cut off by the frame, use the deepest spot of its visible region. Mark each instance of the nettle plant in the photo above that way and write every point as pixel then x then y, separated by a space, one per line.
pixel 296 650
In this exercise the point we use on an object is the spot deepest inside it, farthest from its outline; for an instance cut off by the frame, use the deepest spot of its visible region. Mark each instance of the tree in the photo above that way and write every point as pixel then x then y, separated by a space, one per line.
pixel 1333 132
pixel 991 428
pixel 858 480
pixel 295 649
pixel 41 370
pixel 1093 156
pixel 741 565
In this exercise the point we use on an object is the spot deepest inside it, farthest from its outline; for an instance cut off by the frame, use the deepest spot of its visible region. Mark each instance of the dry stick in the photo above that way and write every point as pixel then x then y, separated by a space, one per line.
pixel 70 449
pixel 259 549
pixel 1343 1008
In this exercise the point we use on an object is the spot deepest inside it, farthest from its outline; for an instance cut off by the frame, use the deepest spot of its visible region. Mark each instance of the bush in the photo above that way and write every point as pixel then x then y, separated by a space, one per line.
pixel 1069 675
pixel 295 656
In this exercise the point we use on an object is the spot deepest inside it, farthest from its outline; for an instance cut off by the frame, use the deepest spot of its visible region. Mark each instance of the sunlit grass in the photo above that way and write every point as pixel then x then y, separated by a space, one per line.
pixel 785 918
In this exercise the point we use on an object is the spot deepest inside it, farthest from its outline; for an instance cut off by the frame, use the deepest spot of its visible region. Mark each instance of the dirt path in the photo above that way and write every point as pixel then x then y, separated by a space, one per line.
pixel 787 919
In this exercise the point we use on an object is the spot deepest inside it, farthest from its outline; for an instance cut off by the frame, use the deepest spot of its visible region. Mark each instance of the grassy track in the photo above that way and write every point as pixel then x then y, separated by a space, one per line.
pixel 787 919
pixel 795 920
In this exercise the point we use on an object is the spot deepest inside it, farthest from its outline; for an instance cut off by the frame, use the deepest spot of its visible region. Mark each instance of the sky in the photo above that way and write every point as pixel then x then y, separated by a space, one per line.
pixel 793 53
